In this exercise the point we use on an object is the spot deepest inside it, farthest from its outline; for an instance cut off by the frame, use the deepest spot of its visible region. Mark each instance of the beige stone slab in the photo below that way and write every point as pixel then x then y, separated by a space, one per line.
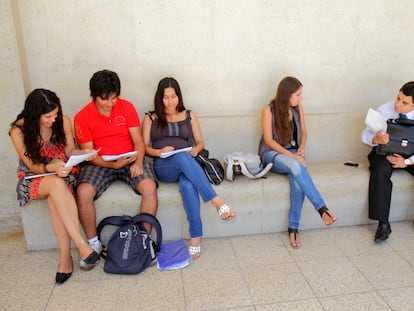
pixel 385 272
pixel 333 276
pixel 301 305
pixel 215 288
pixel 31 269
pixel 247 308
pixel 399 298
pixel 359 240
pixel 216 254
pixel 92 295
pixel 24 297
pixel 408 255
pixel 260 249
pixel 275 283
pixel 12 241
pixel 95 275
pixel 232 274
pixel 369 301
pixel 402 236
pixel 151 290
pixel 316 245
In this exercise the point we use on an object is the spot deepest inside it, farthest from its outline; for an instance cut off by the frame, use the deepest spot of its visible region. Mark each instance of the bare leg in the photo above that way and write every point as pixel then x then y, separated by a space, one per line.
pixel 87 213
pixel 63 239
pixel 65 209
pixel 149 199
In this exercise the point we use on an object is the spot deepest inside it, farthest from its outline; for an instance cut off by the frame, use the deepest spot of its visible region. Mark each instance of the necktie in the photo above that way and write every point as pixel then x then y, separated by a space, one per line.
pixel 403 116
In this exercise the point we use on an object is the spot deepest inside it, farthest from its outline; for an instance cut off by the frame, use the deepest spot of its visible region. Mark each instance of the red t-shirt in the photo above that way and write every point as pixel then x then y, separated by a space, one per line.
pixel 110 134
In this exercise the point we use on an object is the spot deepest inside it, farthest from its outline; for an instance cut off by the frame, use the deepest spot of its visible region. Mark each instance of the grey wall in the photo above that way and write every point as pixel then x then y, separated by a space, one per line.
pixel 227 55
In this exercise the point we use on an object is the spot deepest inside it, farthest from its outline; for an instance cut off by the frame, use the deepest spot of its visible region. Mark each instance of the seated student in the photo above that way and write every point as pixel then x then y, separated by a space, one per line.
pixel 166 129
pixel 283 144
pixel 381 167
pixel 43 139
pixel 110 124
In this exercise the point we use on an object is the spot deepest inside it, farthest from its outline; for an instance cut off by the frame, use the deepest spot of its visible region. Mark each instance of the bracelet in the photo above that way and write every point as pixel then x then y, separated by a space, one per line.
pixel 45 168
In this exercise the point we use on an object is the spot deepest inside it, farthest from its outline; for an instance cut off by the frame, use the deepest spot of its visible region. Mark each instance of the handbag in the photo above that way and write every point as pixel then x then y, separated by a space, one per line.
pixel 245 163
pixel 401 132
pixel 212 167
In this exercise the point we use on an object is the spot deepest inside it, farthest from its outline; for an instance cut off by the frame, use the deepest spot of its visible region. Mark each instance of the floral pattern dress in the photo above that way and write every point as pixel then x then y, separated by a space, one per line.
pixel 27 189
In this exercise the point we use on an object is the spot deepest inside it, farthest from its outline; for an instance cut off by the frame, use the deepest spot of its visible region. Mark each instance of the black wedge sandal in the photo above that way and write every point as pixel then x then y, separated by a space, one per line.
pixel 324 210
pixel 297 243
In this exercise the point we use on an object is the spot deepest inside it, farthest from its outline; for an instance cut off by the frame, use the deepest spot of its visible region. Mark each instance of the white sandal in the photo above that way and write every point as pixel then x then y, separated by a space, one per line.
pixel 225 209
pixel 194 250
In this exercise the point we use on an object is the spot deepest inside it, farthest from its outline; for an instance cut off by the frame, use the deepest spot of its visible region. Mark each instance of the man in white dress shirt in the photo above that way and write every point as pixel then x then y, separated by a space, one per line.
pixel 381 167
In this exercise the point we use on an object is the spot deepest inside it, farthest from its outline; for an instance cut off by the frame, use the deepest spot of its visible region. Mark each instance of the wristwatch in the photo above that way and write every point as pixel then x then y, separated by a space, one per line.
pixel 407 162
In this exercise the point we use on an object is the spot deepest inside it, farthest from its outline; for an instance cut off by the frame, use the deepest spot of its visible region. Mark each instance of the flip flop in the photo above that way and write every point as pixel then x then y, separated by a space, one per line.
pixel 297 242
pixel 324 211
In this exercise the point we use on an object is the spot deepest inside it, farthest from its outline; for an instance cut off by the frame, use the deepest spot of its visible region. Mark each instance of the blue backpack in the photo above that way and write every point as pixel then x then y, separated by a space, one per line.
pixel 130 249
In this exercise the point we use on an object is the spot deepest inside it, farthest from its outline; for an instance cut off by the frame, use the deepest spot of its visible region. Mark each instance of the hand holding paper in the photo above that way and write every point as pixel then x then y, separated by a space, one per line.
pixel 76 159
pixel 375 121
pixel 118 156
pixel 170 153
pixel 72 161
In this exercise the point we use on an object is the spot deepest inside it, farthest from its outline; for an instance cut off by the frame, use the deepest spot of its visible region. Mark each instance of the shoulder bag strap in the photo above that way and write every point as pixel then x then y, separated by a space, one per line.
pixel 190 129
pixel 149 114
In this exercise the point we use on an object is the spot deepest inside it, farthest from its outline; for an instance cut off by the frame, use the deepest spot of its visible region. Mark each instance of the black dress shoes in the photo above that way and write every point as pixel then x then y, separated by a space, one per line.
pixel 383 231
pixel 62 277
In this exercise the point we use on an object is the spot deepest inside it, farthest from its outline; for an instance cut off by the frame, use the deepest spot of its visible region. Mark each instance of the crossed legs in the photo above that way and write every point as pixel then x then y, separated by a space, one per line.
pixel 64 215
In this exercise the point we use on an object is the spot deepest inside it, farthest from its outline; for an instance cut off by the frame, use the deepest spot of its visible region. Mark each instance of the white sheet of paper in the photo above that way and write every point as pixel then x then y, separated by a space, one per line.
pixel 39 175
pixel 72 161
pixel 116 157
pixel 375 121
pixel 76 159
pixel 170 153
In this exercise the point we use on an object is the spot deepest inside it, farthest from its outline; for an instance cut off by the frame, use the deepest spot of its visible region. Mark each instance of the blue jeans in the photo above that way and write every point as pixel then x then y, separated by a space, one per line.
pixel 300 181
pixel 192 181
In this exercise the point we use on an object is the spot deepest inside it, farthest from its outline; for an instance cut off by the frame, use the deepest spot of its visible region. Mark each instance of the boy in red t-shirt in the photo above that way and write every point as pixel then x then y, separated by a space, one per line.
pixel 111 125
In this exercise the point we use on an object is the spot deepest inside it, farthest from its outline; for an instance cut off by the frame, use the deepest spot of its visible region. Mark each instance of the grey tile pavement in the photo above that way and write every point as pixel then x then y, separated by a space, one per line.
pixel 337 268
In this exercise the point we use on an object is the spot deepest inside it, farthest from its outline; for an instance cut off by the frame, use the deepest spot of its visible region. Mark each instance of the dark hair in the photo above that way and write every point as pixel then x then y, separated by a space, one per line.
pixel 104 83
pixel 158 99
pixel 408 89
pixel 39 102
pixel 287 86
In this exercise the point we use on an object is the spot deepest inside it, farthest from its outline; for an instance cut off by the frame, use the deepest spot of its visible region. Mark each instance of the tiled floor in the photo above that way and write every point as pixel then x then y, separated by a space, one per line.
pixel 338 268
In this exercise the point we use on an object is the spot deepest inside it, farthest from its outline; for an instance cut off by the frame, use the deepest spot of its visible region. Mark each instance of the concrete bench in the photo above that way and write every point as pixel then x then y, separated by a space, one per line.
pixel 262 205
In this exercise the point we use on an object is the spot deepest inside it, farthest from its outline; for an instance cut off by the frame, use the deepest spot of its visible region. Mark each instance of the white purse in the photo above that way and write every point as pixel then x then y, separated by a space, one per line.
pixel 248 164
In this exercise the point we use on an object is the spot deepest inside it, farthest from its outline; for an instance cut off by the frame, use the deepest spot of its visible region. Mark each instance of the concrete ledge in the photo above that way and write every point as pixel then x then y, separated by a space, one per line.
pixel 262 205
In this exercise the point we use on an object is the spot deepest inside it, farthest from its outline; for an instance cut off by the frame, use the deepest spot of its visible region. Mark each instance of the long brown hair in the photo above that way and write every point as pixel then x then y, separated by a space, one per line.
pixel 159 103
pixel 38 102
pixel 287 86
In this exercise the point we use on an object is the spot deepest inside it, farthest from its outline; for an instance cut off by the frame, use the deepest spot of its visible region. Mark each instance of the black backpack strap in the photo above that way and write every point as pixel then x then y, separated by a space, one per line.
pixel 113 220
pixel 144 217
pixel 190 129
